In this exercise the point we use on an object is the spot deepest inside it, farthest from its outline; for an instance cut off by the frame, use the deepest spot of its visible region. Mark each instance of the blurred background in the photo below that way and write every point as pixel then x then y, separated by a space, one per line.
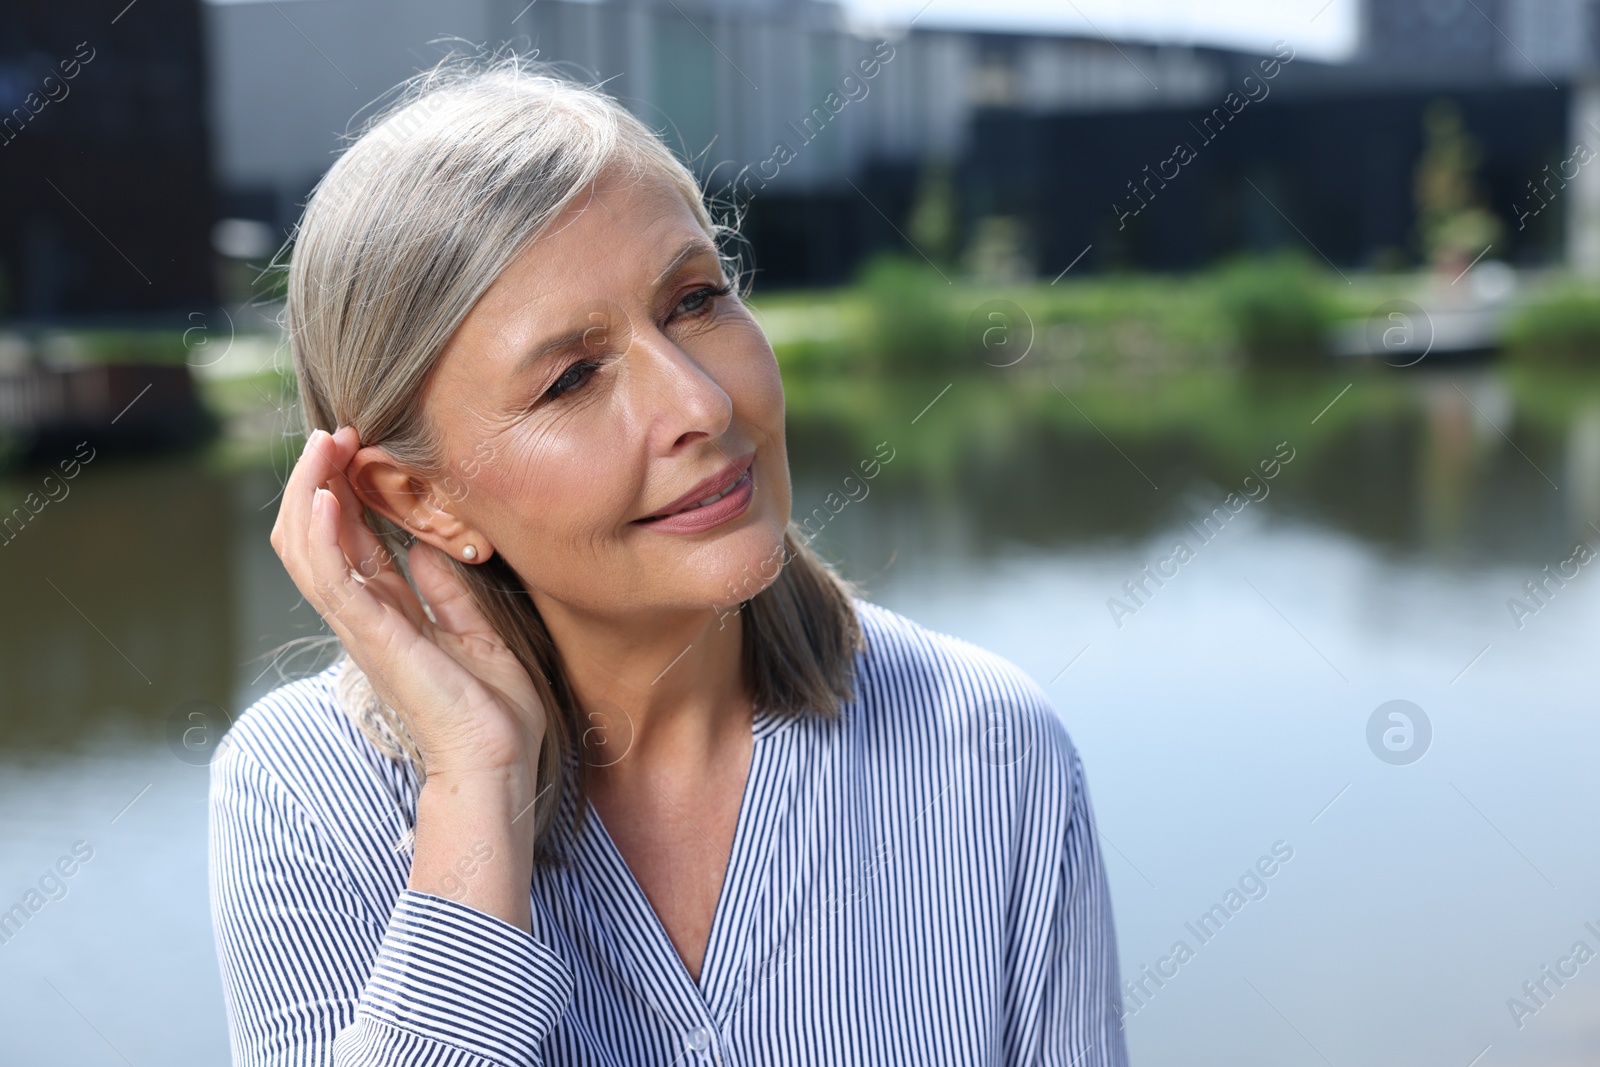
pixel 1239 363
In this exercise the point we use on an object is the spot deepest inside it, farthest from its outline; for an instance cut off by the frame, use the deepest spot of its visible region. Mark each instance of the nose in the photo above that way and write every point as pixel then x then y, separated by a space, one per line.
pixel 679 398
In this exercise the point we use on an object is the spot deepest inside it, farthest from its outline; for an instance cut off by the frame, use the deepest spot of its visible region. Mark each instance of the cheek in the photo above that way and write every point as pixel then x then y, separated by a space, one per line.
pixel 754 384
pixel 562 486
pixel 770 393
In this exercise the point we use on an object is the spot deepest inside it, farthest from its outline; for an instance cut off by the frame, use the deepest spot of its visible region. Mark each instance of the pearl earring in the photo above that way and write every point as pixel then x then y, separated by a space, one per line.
pixel 469 552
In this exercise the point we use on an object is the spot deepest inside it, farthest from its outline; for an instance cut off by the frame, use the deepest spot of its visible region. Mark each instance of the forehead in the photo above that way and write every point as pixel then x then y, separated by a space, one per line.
pixel 606 248
pixel 621 229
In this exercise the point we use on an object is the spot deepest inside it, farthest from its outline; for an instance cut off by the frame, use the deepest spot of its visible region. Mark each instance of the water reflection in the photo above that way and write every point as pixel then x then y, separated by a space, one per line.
pixel 1436 466
pixel 153 583
pixel 144 588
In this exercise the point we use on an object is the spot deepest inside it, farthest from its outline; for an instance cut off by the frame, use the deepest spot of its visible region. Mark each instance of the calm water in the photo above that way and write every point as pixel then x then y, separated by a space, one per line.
pixel 1220 713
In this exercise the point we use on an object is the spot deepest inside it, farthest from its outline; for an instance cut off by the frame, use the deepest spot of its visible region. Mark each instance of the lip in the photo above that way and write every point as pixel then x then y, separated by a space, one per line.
pixel 673 518
pixel 698 520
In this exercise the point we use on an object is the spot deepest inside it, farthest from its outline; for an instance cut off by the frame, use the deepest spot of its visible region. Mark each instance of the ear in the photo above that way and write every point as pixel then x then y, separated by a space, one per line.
pixel 414 503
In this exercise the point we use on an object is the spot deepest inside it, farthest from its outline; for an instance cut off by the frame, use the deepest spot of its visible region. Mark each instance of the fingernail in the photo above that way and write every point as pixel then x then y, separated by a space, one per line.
pixel 316 502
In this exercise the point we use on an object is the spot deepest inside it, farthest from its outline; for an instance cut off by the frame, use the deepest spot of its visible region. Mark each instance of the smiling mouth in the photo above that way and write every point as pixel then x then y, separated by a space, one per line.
pixel 733 487
pixel 743 471
pixel 714 497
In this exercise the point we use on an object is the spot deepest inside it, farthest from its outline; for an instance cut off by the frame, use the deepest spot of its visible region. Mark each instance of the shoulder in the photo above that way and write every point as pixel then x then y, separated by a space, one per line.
pixel 917 682
pixel 296 741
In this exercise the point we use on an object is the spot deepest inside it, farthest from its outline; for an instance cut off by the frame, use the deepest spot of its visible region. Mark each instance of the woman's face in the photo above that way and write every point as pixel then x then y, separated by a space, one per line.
pixel 600 379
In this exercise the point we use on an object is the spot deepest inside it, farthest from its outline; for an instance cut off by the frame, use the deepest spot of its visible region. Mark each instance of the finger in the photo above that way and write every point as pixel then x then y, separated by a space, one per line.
pixel 321 463
pixel 452 604
pixel 367 552
pixel 287 519
pixel 347 605
pixel 385 642
pixel 362 545
pixel 312 469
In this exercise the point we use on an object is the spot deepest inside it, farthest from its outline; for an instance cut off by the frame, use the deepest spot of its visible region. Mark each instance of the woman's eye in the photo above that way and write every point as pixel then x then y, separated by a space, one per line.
pixel 572 378
pixel 577 376
pixel 696 301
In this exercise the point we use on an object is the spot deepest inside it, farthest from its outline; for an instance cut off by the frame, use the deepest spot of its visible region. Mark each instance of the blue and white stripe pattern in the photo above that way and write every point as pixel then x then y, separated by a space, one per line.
pixel 917 882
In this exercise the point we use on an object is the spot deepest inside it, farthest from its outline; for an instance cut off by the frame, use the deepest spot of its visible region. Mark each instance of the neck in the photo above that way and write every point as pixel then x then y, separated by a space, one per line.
pixel 659 690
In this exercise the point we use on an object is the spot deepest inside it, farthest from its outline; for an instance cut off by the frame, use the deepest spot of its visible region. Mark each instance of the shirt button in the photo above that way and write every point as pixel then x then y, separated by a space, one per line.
pixel 698 1039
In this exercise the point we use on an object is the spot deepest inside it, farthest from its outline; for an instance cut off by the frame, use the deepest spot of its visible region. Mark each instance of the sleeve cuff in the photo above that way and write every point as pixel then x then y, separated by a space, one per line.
pixel 453 974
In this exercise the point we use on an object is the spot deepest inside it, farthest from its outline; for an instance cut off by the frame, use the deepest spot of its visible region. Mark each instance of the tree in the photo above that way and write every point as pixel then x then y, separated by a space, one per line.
pixel 933 215
pixel 1453 225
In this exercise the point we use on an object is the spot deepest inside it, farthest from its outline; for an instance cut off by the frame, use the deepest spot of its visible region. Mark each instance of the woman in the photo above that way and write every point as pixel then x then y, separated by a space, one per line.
pixel 644 782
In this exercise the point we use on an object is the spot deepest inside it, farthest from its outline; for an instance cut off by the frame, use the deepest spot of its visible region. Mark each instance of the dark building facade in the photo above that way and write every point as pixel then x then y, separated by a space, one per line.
pixel 1232 152
pixel 1331 172
pixel 105 187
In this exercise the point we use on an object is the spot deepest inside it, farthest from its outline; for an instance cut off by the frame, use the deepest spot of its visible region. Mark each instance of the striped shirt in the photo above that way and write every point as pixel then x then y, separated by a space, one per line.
pixel 918 881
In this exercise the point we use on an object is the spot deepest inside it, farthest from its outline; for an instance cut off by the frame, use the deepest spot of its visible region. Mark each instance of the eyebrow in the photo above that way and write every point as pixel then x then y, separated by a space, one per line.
pixel 695 246
pixel 574 338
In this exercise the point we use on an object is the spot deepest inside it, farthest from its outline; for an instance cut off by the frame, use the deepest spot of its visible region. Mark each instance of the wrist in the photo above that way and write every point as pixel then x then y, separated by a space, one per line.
pixel 474 839
pixel 507 776
pixel 492 790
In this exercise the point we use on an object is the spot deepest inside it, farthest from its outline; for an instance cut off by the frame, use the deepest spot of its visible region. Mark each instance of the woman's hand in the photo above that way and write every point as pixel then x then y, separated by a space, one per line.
pixel 463 695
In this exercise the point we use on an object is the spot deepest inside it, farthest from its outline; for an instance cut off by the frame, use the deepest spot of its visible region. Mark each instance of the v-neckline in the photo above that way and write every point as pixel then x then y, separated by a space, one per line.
pixel 744 875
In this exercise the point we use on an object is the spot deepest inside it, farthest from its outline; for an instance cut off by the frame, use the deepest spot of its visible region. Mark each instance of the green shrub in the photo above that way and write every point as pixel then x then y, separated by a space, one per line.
pixel 1560 328
pixel 1277 308
pixel 132 346
pixel 911 319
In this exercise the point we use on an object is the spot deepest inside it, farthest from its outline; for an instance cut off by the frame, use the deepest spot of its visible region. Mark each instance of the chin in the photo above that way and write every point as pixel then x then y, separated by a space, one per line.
pixel 754 559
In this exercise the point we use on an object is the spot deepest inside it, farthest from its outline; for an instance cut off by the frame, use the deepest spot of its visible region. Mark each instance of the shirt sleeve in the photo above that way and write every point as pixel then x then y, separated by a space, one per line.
pixel 1081 1007
pixel 315 974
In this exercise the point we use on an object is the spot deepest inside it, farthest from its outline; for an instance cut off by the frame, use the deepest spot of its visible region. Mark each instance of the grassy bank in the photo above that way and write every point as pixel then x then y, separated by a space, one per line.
pixel 1274 313
pixel 1224 353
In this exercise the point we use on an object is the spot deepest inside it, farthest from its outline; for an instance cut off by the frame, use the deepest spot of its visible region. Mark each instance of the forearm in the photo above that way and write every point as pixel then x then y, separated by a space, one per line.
pixel 474 842
pixel 322 965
